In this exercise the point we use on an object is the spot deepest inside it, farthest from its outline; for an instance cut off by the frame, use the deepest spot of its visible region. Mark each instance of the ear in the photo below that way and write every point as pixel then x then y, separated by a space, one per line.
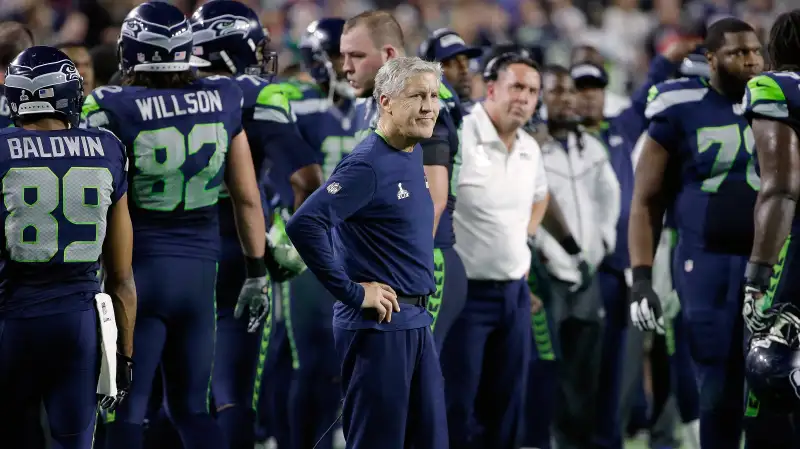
pixel 490 89
pixel 385 104
pixel 388 52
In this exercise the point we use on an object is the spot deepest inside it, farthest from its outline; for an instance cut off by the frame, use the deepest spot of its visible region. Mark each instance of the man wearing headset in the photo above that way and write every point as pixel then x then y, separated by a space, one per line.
pixel 501 188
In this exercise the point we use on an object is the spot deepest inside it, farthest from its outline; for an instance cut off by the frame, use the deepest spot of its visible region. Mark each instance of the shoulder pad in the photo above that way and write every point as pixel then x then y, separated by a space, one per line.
pixel 664 97
pixel 273 96
pixel 772 95
pixel 93 102
pixel 293 90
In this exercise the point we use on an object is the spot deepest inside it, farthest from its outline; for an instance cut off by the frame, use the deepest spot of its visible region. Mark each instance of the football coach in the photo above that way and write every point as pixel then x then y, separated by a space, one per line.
pixel 368 237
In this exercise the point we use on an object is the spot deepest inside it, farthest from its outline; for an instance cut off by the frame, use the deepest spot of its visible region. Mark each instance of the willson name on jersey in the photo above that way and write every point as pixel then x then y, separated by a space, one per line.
pixel 166 106
pixel 60 146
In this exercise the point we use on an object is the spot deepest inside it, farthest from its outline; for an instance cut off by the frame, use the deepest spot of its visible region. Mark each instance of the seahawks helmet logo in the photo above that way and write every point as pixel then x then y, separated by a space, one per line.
pixel 226 25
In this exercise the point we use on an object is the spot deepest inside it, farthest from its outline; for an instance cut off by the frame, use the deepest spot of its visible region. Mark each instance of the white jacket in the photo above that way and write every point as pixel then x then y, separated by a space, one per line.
pixel 585 187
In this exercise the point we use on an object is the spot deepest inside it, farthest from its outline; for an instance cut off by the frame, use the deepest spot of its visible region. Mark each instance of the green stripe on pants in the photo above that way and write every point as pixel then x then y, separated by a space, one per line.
pixel 753 403
pixel 435 300
pixel 263 350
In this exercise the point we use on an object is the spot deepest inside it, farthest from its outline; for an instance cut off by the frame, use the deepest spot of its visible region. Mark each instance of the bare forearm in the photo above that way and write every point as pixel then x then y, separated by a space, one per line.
pixel 774 213
pixel 251 229
pixel 644 227
pixel 123 297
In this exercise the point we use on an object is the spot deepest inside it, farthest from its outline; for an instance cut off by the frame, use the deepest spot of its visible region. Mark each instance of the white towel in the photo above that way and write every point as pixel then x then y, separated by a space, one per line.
pixel 107 383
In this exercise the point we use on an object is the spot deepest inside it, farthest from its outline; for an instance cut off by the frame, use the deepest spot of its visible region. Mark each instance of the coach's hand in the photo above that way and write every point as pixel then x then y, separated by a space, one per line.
pixel 124 381
pixel 253 297
pixel 382 298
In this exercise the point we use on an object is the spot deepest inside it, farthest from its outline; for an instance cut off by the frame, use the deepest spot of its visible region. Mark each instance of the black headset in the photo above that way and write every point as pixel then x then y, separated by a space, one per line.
pixel 521 55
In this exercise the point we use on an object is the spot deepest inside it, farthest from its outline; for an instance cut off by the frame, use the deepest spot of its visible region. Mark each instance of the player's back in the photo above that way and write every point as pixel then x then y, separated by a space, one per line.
pixel 328 128
pixel 178 139
pixel 711 145
pixel 57 188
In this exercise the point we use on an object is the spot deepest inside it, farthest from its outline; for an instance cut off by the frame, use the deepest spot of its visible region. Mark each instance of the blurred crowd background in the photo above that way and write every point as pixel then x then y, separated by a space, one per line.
pixel 627 32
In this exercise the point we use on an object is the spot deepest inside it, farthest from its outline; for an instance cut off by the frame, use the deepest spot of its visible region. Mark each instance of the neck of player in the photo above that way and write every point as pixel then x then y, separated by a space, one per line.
pixel 46 124
pixel 394 137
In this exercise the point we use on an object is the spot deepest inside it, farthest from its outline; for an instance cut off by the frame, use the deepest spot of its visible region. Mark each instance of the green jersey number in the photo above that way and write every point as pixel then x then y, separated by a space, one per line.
pixel 728 139
pixel 334 148
pixel 48 192
pixel 160 184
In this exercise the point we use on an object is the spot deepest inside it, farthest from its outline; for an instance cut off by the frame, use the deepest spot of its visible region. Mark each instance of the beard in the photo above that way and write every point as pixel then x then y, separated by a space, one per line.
pixel 733 86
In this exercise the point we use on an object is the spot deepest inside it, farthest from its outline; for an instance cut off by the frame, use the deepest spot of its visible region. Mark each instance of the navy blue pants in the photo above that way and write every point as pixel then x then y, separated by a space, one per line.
pixel 451 292
pixel 233 379
pixel 614 291
pixel 682 370
pixel 710 287
pixel 315 393
pixel 542 384
pixel 54 359
pixel 175 326
pixel 271 399
pixel 393 389
pixel 485 363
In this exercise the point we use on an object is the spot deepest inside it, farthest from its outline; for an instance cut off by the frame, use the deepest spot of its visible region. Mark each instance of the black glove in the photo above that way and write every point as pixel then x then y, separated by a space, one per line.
pixel 645 306
pixel 124 381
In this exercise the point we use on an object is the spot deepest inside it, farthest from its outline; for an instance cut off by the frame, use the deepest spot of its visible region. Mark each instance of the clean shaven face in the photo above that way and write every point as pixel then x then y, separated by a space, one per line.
pixel 516 92
pixel 362 60
pixel 414 111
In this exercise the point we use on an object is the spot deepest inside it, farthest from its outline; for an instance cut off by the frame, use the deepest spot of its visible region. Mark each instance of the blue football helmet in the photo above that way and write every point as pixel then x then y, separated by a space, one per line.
pixel 772 365
pixel 319 46
pixel 230 36
pixel 155 37
pixel 43 80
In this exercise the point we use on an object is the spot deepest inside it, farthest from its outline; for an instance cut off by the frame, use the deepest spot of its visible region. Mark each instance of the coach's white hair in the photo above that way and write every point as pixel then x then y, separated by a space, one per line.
pixel 392 77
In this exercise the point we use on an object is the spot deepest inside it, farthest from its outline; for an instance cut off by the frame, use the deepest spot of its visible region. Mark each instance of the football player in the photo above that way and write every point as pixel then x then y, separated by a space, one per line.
pixel 697 158
pixel 275 140
pixel 181 132
pixel 64 204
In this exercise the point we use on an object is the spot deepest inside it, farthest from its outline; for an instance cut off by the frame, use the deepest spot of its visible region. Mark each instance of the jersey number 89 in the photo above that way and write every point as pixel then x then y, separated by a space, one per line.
pixel 38 214
pixel 173 188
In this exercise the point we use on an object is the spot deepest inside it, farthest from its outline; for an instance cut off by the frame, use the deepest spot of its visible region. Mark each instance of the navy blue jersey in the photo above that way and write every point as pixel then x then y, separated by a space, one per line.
pixel 711 145
pixel 366 117
pixel 178 141
pixel 775 96
pixel 372 221
pixel 328 128
pixel 57 188
pixel 442 149
pixel 5 111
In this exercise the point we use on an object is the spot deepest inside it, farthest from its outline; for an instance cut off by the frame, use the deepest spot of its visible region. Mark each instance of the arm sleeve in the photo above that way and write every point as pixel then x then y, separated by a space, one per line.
pixel 607 197
pixel 436 150
pixel 540 186
pixel 350 188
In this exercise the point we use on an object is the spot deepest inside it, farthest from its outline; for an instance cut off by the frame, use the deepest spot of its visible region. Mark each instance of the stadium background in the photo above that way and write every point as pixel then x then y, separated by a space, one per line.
pixel 626 32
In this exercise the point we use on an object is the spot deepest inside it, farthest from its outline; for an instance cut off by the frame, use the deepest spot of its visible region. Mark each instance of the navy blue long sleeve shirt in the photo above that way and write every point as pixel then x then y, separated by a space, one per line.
pixel 372 221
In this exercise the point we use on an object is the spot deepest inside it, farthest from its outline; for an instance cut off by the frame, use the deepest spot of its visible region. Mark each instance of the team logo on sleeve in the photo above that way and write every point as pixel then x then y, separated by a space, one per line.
pixel 334 188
